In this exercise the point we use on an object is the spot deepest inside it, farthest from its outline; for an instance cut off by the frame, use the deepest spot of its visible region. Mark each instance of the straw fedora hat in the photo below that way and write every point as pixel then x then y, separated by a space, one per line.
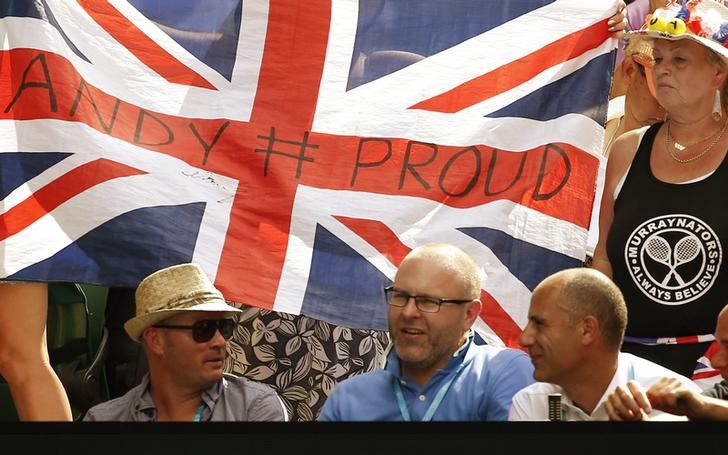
pixel 703 21
pixel 174 290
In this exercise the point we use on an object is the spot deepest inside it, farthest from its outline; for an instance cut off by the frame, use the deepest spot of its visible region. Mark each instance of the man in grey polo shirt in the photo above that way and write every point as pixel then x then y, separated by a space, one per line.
pixel 183 324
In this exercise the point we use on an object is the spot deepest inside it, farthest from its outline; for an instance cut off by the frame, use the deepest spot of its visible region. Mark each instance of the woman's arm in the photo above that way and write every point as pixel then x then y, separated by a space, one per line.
pixel 621 155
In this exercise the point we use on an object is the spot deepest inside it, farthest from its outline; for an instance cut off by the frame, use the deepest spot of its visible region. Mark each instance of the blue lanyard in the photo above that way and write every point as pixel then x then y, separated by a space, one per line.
pixel 198 414
pixel 435 403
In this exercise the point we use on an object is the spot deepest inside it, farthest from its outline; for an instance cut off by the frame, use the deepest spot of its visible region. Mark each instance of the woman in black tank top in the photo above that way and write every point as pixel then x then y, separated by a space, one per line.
pixel 663 224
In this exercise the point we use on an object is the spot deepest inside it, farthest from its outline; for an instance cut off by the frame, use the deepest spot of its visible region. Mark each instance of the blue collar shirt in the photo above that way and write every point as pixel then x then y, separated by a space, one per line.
pixel 482 389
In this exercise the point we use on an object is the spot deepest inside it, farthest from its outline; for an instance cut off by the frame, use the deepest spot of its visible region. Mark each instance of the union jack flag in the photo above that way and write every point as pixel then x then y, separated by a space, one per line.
pixel 297 149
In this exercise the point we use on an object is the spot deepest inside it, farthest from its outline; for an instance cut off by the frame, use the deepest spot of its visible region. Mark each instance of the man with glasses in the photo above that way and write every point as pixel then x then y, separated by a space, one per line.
pixel 435 371
pixel 183 324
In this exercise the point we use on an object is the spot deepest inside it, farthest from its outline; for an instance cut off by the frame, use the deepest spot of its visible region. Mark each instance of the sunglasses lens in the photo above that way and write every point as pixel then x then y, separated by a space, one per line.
pixel 203 331
pixel 227 326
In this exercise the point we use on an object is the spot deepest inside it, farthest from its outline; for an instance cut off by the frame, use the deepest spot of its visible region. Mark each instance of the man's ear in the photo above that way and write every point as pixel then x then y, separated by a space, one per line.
pixel 473 311
pixel 152 337
pixel 590 330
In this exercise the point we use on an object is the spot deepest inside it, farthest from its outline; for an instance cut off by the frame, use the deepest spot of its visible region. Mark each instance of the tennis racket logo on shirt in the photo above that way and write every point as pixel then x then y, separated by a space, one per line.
pixel 673 259
pixel 686 250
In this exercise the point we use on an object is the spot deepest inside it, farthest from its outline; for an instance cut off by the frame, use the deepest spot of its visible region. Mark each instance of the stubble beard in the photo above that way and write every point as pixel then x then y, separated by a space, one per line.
pixel 422 356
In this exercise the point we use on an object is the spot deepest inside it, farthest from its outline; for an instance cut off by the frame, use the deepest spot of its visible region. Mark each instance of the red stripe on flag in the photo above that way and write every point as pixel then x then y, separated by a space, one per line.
pixel 378 235
pixel 687 340
pixel 517 72
pixel 705 374
pixel 143 47
pixel 295 46
pixel 388 244
pixel 499 320
pixel 45 199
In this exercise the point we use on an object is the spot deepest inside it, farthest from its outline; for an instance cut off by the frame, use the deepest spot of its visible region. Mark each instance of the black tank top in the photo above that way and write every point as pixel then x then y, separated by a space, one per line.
pixel 666 251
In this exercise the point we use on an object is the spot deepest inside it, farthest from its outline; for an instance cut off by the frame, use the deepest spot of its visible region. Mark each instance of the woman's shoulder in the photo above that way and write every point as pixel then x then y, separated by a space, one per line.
pixel 624 150
pixel 627 142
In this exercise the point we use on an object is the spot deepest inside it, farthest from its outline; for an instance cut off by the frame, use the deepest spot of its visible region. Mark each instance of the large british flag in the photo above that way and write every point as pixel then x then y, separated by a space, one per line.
pixel 299 149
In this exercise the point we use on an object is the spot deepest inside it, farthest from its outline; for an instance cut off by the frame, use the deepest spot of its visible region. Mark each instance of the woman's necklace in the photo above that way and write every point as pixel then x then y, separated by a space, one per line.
pixel 681 147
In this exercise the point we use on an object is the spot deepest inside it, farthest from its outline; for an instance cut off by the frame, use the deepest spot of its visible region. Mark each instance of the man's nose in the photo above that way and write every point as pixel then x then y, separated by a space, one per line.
pixel 525 339
pixel 217 339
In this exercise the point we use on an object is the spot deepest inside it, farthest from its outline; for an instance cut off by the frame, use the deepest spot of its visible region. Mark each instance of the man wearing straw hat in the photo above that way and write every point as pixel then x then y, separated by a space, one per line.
pixel 183 324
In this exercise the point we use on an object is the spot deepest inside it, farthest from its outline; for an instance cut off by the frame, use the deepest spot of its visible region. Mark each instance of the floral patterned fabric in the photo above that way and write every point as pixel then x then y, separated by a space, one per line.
pixel 301 358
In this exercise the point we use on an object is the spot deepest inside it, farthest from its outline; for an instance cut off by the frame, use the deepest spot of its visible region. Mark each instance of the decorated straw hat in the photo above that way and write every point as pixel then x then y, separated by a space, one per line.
pixel 704 21
pixel 171 291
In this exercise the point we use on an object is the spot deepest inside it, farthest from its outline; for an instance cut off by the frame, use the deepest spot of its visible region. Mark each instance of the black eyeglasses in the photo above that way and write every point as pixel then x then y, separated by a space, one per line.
pixel 398 298
pixel 204 330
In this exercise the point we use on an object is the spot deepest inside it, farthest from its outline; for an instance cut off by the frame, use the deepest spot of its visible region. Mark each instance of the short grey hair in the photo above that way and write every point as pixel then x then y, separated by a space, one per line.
pixel 588 292
pixel 458 261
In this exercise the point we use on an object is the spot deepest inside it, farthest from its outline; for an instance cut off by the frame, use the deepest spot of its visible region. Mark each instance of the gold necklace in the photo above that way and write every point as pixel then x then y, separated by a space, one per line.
pixel 668 137
pixel 680 147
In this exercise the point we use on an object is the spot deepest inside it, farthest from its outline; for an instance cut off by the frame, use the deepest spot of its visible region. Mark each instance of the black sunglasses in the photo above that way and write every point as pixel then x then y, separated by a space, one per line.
pixel 204 330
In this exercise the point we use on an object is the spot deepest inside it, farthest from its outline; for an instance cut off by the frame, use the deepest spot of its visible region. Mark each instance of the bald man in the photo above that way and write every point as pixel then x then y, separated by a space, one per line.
pixel 576 323
pixel 435 371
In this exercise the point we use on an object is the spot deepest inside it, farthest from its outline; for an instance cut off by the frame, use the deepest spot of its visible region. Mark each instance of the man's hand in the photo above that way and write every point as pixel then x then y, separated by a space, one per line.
pixel 629 403
pixel 671 396
pixel 618 23
pixel 668 395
